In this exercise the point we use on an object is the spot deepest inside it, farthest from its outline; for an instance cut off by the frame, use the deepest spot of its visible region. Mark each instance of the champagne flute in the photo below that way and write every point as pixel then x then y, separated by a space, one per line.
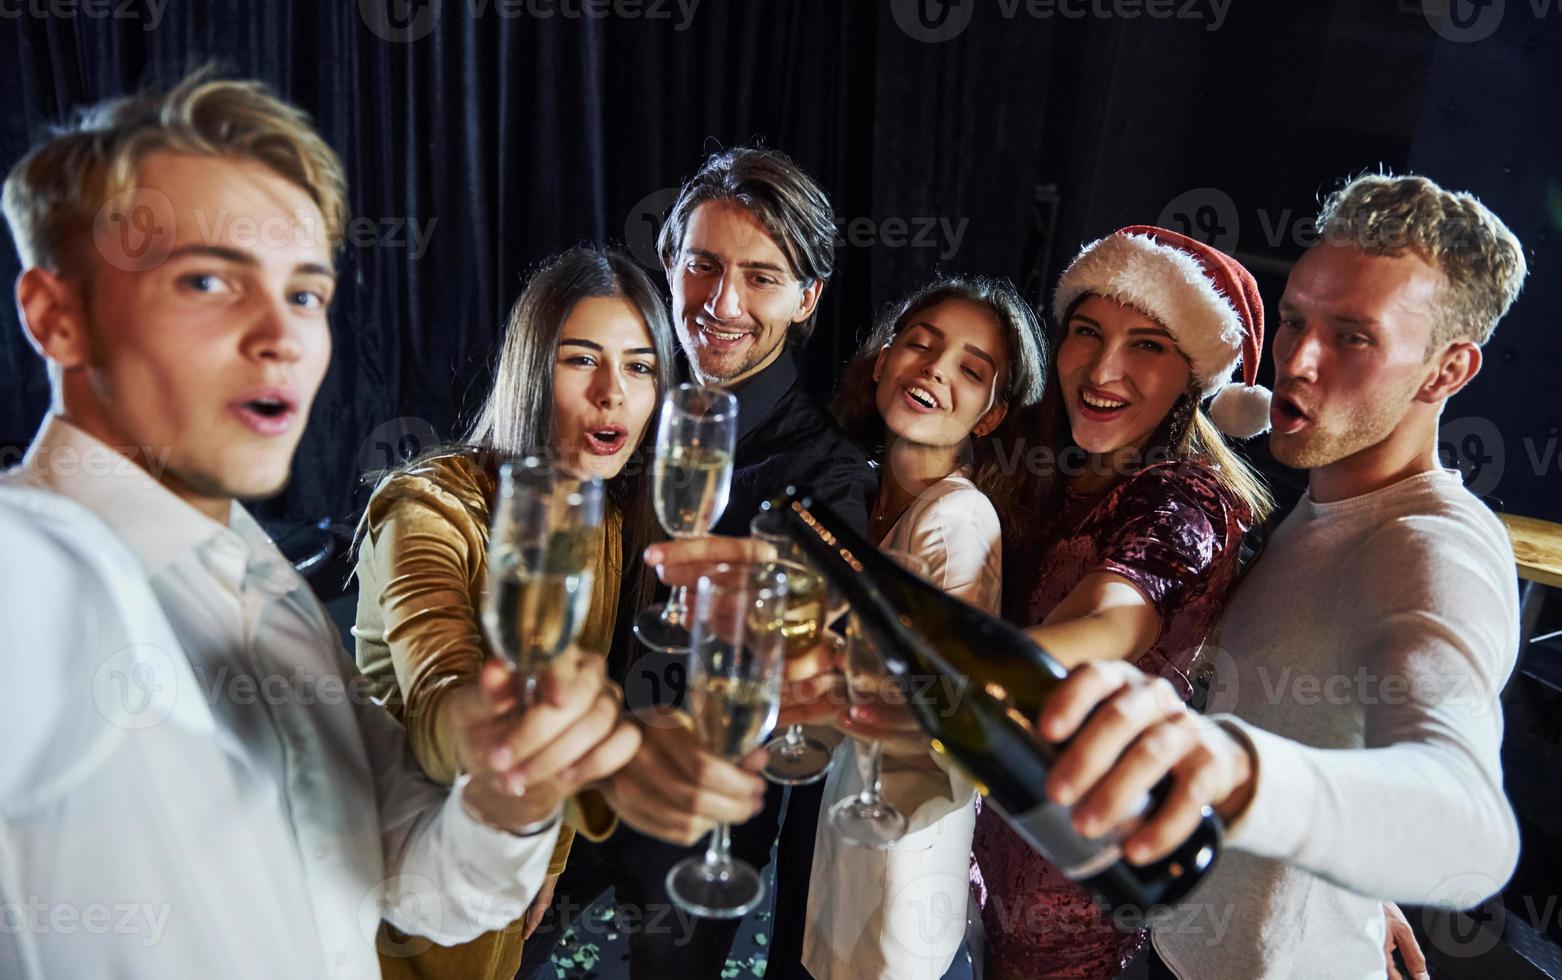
pixel 692 477
pixel 797 759
pixel 540 547
pixel 734 696
pixel 868 819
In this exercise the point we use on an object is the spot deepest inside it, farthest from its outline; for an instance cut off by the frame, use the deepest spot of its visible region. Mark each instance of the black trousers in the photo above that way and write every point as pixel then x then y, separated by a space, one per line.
pixel 665 941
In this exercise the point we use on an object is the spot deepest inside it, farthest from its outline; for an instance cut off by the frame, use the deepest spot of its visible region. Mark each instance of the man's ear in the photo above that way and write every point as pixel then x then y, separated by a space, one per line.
pixel 878 363
pixel 810 299
pixel 994 418
pixel 53 317
pixel 1457 366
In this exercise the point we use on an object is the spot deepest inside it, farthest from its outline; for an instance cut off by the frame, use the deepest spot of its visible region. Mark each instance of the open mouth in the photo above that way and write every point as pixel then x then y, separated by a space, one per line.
pixel 1285 416
pixel 606 440
pixel 920 399
pixel 268 413
pixel 268 407
pixel 1101 406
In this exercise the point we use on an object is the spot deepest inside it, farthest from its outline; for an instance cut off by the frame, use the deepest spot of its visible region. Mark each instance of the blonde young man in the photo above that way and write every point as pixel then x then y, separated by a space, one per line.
pixel 195 782
pixel 1366 648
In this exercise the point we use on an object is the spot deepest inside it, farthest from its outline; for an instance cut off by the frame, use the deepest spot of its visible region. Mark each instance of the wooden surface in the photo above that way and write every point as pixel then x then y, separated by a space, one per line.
pixel 1537 546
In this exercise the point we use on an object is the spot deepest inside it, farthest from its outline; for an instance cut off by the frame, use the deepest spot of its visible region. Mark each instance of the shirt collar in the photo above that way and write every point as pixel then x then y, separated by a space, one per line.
pixel 156 524
pixel 758 396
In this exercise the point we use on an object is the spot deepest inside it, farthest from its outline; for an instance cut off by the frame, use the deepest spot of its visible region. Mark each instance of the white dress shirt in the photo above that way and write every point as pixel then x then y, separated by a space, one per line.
pixel 194 780
pixel 899 913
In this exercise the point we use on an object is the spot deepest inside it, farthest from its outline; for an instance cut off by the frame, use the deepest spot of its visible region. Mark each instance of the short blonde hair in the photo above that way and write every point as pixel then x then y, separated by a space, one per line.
pixel 53 194
pixel 1481 260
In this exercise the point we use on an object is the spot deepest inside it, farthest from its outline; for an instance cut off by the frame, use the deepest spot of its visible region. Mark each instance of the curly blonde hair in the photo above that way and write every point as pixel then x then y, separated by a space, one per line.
pixel 1481 261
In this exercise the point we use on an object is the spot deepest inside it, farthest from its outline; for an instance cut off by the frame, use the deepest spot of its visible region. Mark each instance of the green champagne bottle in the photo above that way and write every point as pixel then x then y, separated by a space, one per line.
pixel 987 728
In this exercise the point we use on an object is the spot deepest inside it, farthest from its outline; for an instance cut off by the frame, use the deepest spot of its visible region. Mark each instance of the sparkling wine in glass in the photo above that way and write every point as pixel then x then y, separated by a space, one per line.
pixel 691 478
pixel 797 758
pixel 734 696
pixel 867 818
pixel 541 545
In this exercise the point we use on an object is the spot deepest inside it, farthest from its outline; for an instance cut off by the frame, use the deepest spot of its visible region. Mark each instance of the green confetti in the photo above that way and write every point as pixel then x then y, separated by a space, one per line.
pixel 760 939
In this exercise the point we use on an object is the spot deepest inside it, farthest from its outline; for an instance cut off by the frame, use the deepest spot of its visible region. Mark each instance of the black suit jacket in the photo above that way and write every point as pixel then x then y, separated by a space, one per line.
pixel 785 437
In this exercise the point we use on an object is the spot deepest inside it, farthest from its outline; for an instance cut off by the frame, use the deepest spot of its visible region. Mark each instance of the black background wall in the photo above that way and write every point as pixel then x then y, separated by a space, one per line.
pixel 988 136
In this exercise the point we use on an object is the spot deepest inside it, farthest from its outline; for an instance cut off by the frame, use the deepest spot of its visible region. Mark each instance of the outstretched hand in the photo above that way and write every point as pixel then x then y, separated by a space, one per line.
pixel 1128 731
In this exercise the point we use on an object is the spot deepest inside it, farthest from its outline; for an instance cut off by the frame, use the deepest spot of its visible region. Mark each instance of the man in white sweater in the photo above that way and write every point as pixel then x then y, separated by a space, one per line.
pixel 1356 760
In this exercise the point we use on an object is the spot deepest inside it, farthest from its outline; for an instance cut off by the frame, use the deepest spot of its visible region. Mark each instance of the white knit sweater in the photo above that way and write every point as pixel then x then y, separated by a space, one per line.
pixel 1362 657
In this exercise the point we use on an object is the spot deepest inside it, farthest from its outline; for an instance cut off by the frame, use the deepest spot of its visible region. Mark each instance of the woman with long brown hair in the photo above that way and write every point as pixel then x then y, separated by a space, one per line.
pixel 587 352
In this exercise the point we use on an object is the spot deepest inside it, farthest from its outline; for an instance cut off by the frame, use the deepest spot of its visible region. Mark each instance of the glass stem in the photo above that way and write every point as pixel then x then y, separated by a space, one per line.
pixel 677 604
pixel 719 849
pixel 794 735
pixel 871 789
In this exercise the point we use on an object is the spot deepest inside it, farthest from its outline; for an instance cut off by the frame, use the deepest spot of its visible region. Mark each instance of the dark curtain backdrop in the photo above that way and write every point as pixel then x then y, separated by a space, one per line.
pixel 503 132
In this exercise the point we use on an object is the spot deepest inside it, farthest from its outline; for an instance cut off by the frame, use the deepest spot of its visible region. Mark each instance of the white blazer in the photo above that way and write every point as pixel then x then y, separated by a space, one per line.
pixel 900 913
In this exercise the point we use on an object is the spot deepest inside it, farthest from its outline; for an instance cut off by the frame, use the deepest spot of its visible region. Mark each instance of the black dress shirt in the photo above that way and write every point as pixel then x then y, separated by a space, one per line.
pixel 785 437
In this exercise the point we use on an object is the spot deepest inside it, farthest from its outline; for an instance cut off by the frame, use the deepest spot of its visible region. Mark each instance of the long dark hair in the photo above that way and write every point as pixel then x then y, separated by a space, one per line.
pixel 516 417
pixel 858 414
pixel 1186 433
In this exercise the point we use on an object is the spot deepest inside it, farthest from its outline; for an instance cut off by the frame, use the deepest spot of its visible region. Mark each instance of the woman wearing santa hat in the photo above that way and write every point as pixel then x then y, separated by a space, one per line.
pixel 1140 516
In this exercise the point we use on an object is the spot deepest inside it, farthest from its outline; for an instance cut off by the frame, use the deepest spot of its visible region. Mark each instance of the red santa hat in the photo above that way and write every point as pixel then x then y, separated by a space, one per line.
pixel 1205 299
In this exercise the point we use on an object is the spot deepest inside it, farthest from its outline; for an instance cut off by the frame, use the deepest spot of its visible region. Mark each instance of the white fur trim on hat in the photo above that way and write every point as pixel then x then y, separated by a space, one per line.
pixel 1241 411
pixel 1169 285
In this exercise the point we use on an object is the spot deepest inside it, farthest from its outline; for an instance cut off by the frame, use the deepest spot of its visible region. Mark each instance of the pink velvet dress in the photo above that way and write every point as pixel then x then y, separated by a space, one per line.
pixel 1175 532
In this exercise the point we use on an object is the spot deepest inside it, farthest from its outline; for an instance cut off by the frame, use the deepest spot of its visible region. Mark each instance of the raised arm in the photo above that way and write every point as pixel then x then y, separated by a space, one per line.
pixel 1417 816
